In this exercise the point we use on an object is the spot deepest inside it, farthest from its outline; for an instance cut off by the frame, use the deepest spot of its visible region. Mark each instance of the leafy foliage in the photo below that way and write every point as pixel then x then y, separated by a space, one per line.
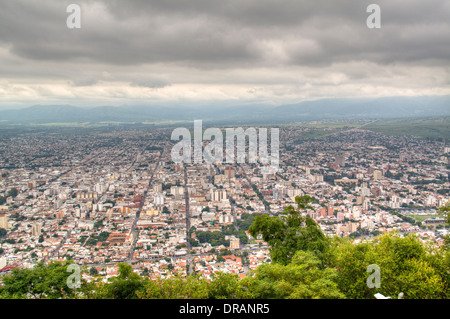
pixel 223 286
pixel 290 232
pixel 406 266
pixel 13 192
pixel 44 281
pixel 214 238
pixel 124 286
pixel 302 278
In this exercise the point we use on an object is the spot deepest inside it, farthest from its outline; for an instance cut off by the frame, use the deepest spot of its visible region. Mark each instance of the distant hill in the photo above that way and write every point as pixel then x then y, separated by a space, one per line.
pixel 325 109
pixel 387 107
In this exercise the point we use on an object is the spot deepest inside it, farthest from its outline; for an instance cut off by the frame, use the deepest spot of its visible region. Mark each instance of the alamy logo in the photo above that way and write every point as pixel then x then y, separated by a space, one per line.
pixel 213 152
pixel 374 19
pixel 73 281
pixel 374 280
pixel 74 19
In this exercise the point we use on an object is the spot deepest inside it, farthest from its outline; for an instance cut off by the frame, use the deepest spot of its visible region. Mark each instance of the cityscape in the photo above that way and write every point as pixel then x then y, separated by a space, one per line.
pixel 220 158
pixel 104 197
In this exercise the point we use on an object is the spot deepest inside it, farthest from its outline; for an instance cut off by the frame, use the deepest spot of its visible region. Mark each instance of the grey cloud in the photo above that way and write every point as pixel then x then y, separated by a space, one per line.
pixel 150 83
pixel 83 82
pixel 245 43
pixel 226 33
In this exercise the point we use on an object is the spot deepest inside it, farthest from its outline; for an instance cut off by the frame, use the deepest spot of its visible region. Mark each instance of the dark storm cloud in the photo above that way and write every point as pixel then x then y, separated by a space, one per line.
pixel 230 33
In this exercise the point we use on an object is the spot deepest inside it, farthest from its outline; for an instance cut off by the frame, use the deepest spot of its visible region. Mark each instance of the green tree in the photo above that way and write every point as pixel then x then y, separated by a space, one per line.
pixel 43 281
pixel 103 236
pixel 13 192
pixel 406 265
pixel 290 232
pixel 145 272
pixel 303 278
pixel 93 271
pixel 222 286
pixel 193 242
pixel 227 286
pixel 125 285
pixel 191 287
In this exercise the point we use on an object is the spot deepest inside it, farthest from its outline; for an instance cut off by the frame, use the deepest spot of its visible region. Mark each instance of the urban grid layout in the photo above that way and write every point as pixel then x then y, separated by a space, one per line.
pixel 104 196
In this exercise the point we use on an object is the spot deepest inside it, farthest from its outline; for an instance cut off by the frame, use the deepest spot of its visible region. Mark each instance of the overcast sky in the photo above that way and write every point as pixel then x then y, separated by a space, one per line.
pixel 278 51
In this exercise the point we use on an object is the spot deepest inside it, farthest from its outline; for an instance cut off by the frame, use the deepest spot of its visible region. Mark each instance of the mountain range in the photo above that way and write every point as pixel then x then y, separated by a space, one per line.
pixel 324 109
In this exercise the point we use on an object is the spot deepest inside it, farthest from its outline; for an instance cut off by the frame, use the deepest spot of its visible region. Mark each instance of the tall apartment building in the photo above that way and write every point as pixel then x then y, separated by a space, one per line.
pixel 230 172
pixel 377 175
pixel 4 221
pixel 36 229
pixel 234 243
pixel 218 194
pixel 330 211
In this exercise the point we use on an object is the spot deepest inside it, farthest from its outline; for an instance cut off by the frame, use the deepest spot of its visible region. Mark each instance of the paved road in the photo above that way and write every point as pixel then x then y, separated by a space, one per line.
pixel 138 214
pixel 188 219
pixel 250 183
pixel 61 243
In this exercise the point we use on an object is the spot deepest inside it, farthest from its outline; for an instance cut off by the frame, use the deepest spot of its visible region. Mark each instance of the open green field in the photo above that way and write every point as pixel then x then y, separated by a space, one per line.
pixel 427 127
pixel 421 218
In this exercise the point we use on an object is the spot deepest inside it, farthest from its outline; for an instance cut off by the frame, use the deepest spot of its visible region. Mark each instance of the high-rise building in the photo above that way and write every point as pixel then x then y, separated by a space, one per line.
pixel 177 190
pixel 356 212
pixel 365 191
pixel 36 229
pixel 323 212
pixel 60 215
pixel 230 172
pixel 234 243
pixel 276 194
pixel 3 262
pixel 366 204
pixel 377 175
pixel 330 211
pixel 218 194
pixel 316 178
pixel 4 221
pixel 159 200
pixel 157 188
